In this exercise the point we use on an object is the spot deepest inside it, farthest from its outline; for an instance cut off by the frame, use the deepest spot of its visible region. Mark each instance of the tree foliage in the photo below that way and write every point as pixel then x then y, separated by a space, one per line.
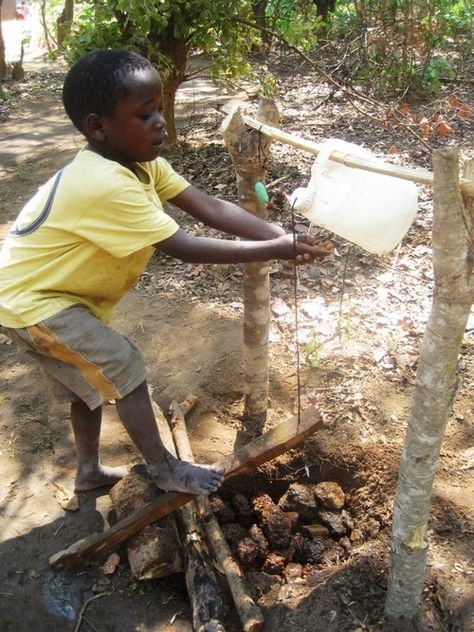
pixel 398 45
pixel 391 47
pixel 167 32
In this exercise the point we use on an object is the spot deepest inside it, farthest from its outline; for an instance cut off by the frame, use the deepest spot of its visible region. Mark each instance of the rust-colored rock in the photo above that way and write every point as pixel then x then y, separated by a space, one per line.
pixel 316 531
pixel 274 564
pixel 330 495
pixel 356 537
pixel 233 533
pixel 242 509
pixel 300 498
pixel 260 540
pixel 262 503
pixel 294 518
pixel 334 521
pixel 277 527
pixel 222 511
pixel 303 550
pixel 248 552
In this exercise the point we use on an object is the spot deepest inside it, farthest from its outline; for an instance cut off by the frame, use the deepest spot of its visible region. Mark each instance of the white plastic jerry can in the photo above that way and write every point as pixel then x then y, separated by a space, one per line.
pixel 369 209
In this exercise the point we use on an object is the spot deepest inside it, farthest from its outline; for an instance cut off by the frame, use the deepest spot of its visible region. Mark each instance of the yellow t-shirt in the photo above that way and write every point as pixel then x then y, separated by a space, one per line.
pixel 89 242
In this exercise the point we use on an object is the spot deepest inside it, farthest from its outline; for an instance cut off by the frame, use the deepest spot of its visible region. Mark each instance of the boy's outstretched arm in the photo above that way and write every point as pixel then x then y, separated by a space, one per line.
pixel 193 249
pixel 225 216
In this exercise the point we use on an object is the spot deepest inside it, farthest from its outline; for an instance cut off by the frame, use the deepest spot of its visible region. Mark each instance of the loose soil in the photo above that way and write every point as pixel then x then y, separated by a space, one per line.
pixel 361 321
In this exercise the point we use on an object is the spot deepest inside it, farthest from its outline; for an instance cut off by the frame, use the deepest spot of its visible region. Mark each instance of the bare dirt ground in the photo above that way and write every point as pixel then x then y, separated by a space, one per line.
pixel 359 334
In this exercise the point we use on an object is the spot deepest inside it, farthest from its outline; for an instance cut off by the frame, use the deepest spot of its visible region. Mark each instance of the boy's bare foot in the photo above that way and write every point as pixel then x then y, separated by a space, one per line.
pixel 99 476
pixel 181 476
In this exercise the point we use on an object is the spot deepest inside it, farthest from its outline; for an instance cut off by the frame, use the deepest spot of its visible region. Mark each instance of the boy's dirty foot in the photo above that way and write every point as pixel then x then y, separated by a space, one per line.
pixel 181 476
pixel 88 478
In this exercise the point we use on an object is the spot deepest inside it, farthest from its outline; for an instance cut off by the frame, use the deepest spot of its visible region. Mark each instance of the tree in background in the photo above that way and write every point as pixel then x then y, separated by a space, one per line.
pixel 396 46
pixel 324 7
pixel 3 63
pixel 64 21
pixel 167 33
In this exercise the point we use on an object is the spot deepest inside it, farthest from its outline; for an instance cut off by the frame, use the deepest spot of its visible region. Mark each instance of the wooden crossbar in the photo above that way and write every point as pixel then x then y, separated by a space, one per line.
pixel 421 176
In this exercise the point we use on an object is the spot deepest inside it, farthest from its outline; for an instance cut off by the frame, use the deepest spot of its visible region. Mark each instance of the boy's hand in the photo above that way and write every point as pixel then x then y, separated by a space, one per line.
pixel 310 249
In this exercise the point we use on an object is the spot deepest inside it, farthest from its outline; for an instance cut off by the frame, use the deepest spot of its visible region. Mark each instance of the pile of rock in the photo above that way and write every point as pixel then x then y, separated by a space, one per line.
pixel 308 527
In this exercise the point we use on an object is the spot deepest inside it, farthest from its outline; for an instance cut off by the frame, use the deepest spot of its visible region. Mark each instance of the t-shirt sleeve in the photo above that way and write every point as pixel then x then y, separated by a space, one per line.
pixel 125 218
pixel 168 183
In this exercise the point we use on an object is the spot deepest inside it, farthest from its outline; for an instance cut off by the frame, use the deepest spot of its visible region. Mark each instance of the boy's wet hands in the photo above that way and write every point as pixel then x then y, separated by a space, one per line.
pixel 310 249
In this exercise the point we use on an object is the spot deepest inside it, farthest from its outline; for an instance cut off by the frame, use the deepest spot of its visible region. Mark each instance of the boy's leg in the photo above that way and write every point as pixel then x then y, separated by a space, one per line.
pixel 94 363
pixel 136 414
pixel 90 472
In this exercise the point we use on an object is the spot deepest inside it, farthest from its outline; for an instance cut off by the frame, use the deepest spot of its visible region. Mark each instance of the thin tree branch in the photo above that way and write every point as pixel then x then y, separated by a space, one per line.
pixel 330 79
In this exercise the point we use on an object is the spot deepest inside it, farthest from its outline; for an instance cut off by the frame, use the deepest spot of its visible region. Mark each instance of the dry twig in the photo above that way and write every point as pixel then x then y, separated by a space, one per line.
pixel 86 603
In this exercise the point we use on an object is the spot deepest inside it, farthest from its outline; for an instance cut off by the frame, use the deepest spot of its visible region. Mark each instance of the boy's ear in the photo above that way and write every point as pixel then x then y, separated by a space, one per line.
pixel 94 128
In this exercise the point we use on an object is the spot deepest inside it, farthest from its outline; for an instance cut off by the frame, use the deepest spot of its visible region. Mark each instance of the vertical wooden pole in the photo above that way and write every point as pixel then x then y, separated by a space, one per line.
pixel 436 385
pixel 249 151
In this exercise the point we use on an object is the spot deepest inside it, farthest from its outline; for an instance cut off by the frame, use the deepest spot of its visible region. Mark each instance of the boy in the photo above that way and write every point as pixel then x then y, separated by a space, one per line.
pixel 84 239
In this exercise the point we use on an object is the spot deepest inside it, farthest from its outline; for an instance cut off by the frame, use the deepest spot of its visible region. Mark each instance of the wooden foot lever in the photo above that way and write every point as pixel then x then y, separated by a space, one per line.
pixel 271 444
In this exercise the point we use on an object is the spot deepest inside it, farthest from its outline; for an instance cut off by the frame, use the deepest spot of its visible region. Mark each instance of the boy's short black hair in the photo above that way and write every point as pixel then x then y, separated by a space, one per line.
pixel 97 81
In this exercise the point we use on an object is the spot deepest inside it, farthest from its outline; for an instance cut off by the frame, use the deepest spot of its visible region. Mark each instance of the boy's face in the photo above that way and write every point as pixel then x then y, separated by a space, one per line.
pixel 135 132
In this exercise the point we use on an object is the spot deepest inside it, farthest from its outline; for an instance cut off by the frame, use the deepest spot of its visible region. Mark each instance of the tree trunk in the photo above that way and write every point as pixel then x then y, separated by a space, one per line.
pixel 170 88
pixel 249 150
pixel 258 8
pixel 436 385
pixel 3 63
pixel 64 21
pixel 323 7
pixel 176 49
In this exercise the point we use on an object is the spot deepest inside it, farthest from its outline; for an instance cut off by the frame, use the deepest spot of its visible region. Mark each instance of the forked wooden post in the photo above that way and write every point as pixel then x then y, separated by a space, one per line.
pixel 249 150
pixel 436 383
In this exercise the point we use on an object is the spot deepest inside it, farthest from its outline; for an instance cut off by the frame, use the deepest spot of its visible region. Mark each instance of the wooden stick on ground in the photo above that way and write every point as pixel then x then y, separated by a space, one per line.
pixel 276 441
pixel 249 613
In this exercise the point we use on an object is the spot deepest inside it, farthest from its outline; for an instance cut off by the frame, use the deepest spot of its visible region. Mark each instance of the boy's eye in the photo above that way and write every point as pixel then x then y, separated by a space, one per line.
pixel 145 117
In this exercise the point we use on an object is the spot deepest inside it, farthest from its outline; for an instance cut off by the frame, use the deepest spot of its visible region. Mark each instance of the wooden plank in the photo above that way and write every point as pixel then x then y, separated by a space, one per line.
pixel 421 176
pixel 276 441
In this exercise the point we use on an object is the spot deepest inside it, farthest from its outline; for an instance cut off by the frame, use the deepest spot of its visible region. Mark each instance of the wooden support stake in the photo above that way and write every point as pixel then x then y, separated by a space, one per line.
pixel 201 583
pixel 276 441
pixel 249 151
pixel 421 176
pixel 249 613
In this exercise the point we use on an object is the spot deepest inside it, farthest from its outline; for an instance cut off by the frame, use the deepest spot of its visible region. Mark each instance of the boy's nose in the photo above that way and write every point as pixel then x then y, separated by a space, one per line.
pixel 159 122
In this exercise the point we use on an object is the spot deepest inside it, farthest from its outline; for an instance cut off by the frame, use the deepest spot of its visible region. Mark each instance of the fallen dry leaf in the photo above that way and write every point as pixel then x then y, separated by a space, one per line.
pixel 111 564
pixel 444 128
